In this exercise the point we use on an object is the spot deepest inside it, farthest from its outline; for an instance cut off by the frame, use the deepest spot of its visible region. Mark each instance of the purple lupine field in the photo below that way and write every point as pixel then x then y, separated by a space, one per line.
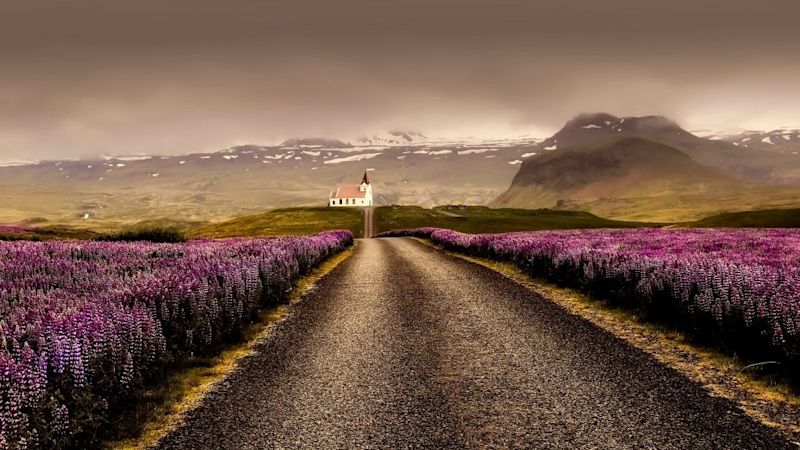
pixel 737 288
pixel 84 324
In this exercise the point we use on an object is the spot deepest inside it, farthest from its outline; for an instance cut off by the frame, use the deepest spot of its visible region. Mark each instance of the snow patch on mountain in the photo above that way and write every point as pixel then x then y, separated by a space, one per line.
pixel 352 158
pixel 127 158
pixel 475 151
pixel 18 163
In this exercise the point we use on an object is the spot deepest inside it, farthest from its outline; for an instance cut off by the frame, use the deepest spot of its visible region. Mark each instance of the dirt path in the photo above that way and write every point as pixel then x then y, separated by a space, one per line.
pixel 402 346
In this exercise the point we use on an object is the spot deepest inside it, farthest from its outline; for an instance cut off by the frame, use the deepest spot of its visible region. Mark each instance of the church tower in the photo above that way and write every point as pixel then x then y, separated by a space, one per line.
pixel 366 188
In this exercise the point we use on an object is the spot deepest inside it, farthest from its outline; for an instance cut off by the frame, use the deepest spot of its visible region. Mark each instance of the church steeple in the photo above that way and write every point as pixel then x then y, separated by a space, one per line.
pixel 365 180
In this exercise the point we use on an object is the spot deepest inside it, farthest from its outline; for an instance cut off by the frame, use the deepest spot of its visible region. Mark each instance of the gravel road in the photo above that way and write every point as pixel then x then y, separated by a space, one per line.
pixel 368 222
pixel 402 346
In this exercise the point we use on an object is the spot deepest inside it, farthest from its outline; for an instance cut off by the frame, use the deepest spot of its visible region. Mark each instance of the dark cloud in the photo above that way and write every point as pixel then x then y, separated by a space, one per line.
pixel 88 77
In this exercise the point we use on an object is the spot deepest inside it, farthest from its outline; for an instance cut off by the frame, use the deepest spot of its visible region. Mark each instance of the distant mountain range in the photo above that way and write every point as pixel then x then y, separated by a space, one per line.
pixel 646 168
pixel 252 178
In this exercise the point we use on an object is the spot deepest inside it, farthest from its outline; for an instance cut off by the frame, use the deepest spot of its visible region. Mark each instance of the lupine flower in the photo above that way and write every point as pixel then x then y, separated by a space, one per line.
pixel 735 284
pixel 94 319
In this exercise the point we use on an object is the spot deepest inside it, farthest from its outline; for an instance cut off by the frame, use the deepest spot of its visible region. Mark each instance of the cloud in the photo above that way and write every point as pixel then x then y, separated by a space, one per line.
pixel 91 77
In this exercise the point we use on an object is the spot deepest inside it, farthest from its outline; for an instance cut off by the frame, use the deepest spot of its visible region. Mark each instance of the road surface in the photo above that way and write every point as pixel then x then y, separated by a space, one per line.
pixel 403 346
pixel 368 228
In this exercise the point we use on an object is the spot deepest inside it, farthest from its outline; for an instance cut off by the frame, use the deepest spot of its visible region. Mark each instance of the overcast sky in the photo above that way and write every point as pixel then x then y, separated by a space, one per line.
pixel 87 77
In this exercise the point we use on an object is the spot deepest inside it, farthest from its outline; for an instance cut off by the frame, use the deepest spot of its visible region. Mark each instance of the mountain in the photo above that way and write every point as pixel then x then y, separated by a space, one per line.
pixel 634 178
pixel 591 127
pixel 773 167
pixel 609 168
pixel 252 178
pixel 785 141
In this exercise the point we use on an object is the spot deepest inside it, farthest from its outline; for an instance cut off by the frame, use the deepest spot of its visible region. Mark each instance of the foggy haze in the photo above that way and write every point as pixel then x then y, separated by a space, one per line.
pixel 84 78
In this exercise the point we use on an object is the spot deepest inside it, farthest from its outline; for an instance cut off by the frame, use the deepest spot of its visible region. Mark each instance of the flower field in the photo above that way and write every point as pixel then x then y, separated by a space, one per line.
pixel 85 324
pixel 738 289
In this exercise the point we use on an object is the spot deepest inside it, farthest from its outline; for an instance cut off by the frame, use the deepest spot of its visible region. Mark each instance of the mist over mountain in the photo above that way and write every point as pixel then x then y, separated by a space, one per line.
pixel 314 142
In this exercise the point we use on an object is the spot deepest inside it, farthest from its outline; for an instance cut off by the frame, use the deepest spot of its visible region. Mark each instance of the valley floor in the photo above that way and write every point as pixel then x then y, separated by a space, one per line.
pixel 404 346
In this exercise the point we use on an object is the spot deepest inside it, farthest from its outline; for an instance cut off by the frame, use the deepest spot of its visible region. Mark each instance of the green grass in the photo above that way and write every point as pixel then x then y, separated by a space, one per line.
pixel 468 219
pixel 480 219
pixel 50 233
pixel 294 221
pixel 766 218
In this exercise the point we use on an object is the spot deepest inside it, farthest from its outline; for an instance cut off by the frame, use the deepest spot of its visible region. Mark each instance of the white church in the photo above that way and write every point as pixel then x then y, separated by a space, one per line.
pixel 348 195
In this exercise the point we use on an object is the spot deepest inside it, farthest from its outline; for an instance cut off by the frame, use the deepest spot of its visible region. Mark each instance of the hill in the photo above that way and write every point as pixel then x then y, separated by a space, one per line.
pixel 729 157
pixel 633 178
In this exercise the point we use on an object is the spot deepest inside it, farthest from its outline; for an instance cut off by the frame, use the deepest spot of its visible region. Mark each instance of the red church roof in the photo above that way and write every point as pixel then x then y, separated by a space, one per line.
pixel 348 192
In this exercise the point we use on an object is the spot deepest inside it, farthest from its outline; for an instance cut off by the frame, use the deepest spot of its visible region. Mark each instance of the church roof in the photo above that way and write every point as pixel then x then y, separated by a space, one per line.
pixel 348 192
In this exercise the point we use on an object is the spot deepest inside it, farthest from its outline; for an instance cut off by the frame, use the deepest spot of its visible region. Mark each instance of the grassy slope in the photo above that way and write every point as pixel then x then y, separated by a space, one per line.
pixel 480 219
pixel 53 232
pixel 772 218
pixel 284 221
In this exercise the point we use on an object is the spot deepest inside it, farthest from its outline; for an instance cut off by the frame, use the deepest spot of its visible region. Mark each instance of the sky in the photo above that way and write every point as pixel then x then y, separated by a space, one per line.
pixel 82 78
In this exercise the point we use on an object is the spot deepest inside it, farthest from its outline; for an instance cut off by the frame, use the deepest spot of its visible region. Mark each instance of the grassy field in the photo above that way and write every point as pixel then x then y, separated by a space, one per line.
pixel 480 219
pixel 283 221
pixel 468 219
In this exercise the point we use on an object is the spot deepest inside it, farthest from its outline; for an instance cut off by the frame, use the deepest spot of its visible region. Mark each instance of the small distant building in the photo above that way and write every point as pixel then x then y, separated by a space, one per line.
pixel 349 195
